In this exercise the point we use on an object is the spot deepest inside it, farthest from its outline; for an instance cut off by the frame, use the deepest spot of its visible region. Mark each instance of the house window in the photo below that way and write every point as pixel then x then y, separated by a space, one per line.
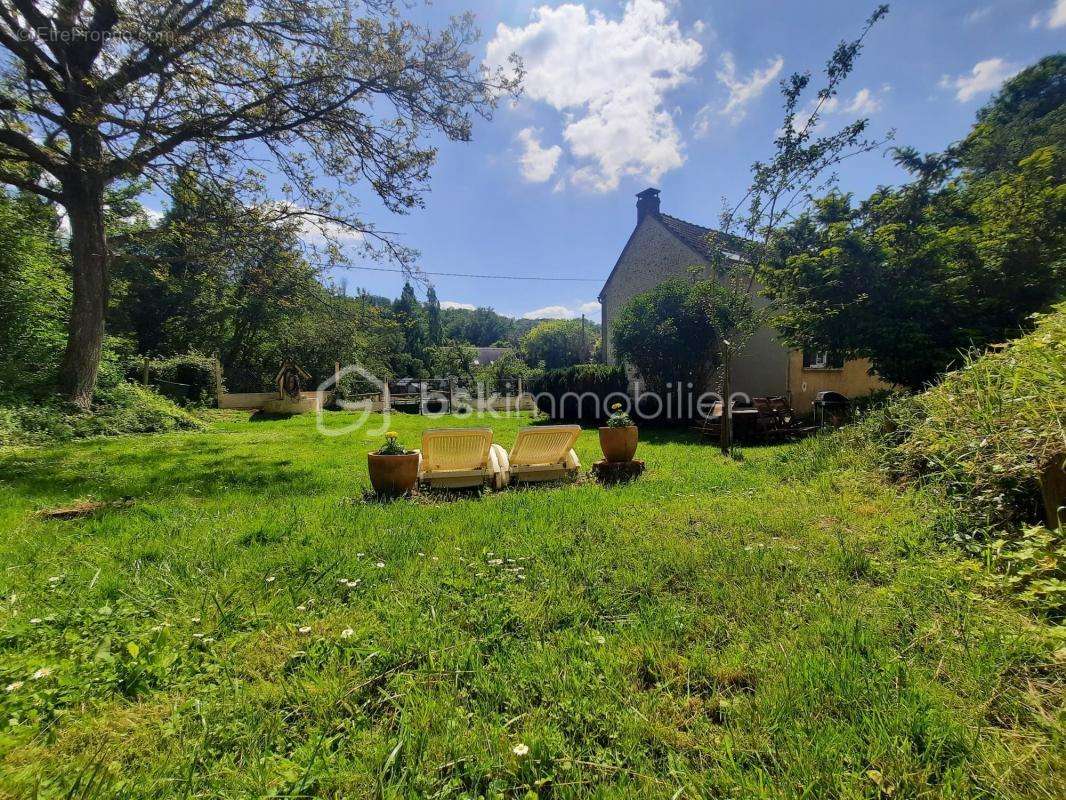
pixel 822 359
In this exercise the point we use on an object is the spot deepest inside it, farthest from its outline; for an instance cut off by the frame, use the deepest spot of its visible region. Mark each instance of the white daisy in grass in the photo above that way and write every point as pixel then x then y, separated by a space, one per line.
pixel 36 621
pixel 520 750
pixel 43 672
pixel 55 579
pixel 301 607
pixel 355 583
pixel 347 633
pixel 306 629
pixel 198 636
pixel 14 686
pixel 380 565
pixel 360 555
pixel 270 579
pixel 194 620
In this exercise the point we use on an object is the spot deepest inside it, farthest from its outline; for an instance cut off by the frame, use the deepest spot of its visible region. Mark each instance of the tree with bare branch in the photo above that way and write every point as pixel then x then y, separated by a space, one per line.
pixel 323 94
pixel 803 163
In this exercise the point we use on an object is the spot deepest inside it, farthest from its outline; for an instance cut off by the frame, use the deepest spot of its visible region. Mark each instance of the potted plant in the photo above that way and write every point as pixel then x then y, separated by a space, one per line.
pixel 393 468
pixel 618 438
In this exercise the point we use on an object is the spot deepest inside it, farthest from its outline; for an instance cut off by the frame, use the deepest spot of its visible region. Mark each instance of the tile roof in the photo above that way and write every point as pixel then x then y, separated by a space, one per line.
pixel 696 236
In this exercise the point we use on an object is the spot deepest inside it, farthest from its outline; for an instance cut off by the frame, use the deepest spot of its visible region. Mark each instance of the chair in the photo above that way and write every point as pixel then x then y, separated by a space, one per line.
pixel 543 453
pixel 454 458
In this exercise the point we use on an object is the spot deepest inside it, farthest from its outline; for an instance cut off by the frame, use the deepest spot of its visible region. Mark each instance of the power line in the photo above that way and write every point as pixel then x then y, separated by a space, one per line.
pixel 468 275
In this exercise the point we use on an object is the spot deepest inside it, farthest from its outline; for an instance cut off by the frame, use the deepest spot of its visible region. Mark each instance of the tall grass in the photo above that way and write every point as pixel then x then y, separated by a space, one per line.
pixel 976 445
pixel 978 439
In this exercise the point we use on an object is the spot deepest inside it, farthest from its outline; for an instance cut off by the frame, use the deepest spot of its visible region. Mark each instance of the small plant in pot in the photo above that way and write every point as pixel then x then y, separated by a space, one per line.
pixel 618 438
pixel 393 468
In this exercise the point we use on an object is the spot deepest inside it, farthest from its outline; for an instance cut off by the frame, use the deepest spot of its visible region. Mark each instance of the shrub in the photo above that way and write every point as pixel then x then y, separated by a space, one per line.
pixel 187 378
pixel 584 391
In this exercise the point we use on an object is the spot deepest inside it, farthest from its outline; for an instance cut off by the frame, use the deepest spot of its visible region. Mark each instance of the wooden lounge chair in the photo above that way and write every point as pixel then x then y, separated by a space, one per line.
pixel 454 458
pixel 544 453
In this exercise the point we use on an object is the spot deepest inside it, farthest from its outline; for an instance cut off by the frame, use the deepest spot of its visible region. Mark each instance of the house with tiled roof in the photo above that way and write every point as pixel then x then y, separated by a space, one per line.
pixel 663 247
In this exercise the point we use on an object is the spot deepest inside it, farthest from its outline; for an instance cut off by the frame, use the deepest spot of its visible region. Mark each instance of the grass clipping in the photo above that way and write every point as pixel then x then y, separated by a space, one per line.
pixel 125 408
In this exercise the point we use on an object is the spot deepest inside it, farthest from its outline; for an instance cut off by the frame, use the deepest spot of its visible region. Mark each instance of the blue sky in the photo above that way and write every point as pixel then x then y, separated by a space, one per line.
pixel 681 95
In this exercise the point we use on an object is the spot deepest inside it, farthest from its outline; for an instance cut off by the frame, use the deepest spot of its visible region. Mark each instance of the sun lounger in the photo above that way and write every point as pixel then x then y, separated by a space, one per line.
pixel 544 453
pixel 454 458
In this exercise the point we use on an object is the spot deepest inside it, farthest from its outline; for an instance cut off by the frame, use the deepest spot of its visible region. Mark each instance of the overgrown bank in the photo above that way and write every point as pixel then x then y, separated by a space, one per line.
pixel 977 442
pixel 123 408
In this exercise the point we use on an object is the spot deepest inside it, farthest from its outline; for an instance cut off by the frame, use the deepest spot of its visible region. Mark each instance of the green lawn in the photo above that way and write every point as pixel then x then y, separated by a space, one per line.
pixel 249 626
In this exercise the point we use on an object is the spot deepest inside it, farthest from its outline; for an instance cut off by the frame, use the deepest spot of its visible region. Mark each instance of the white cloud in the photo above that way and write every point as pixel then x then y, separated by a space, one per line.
pixel 315 229
pixel 589 309
pixel 609 78
pixel 537 162
pixel 1056 17
pixel 864 102
pixel 454 304
pixel 549 312
pixel 320 231
pixel 742 91
pixel 977 15
pixel 985 76
pixel 701 125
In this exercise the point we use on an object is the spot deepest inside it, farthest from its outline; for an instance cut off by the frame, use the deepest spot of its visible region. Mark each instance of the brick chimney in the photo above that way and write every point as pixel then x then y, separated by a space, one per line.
pixel 647 203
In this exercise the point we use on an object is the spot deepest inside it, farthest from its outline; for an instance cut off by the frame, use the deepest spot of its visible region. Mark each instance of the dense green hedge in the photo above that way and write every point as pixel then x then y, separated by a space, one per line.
pixel 582 392
pixel 187 378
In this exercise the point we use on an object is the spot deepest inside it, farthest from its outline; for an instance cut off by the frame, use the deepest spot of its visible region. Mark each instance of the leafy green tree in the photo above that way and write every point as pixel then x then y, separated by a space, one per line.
pixel 216 277
pixel 34 294
pixel 1028 113
pixel 955 259
pixel 668 334
pixel 507 367
pixel 481 327
pixel 411 318
pixel 333 94
pixel 560 343
pixel 453 360
pixel 436 329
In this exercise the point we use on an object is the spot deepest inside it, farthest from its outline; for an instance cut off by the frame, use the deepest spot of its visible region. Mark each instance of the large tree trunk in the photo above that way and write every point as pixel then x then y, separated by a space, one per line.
pixel 88 250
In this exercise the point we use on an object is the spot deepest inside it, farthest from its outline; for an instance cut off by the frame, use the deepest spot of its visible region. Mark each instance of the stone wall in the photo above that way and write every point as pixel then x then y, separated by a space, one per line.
pixel 654 255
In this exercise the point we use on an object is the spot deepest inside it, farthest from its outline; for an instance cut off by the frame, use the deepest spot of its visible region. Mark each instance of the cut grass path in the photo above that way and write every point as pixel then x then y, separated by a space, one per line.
pixel 779 626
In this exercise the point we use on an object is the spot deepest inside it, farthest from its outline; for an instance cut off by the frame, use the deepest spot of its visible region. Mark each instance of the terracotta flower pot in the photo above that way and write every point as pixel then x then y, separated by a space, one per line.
pixel 393 475
pixel 618 444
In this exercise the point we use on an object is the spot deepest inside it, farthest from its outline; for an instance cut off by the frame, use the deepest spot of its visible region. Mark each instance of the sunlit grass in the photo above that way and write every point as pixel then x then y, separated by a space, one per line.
pixel 250 626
